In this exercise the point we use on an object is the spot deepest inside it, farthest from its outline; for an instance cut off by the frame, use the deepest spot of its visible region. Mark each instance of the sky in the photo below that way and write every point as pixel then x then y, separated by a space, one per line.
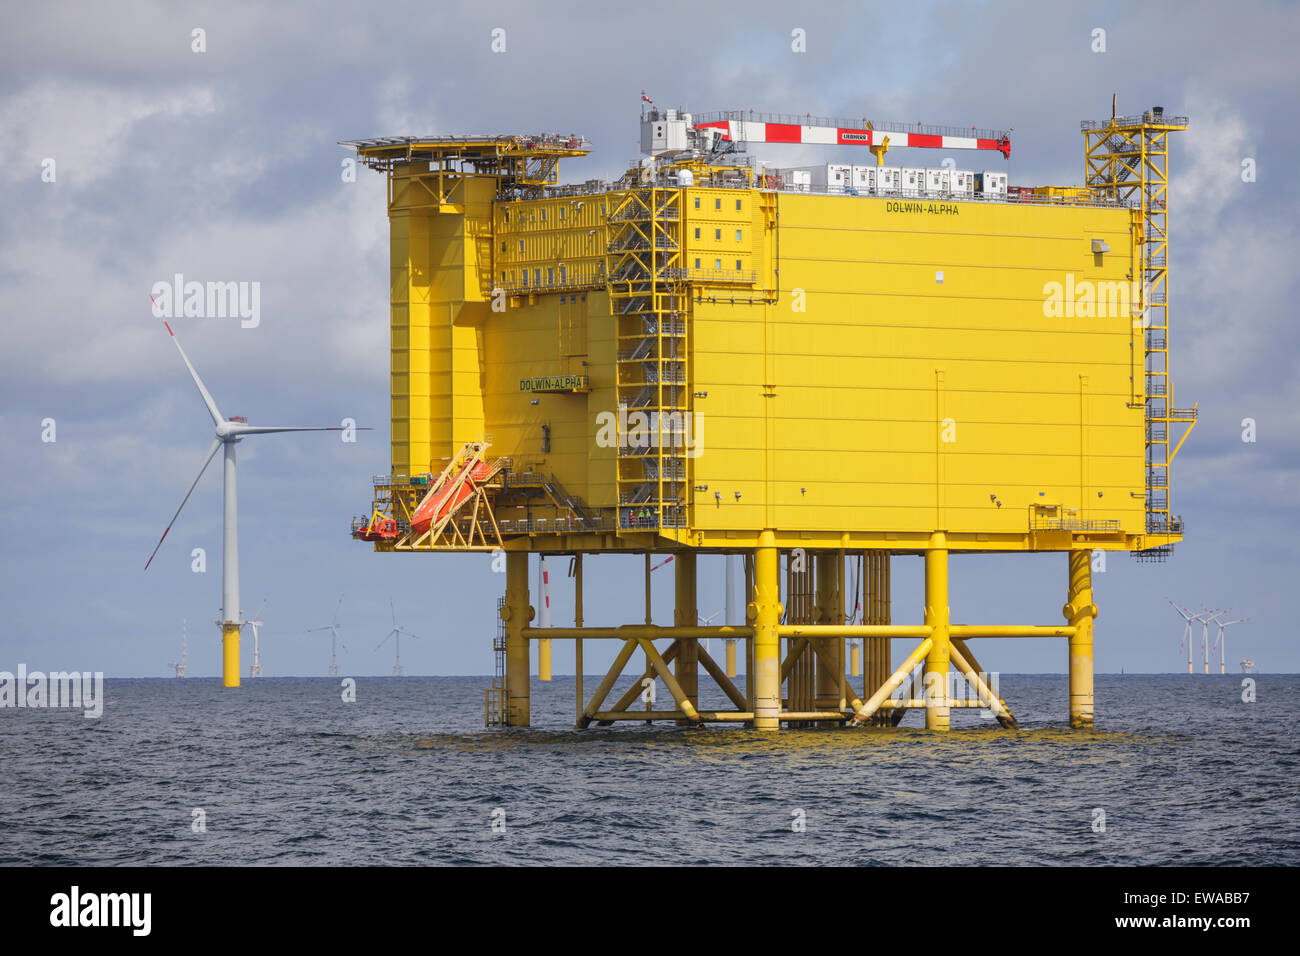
pixel 224 164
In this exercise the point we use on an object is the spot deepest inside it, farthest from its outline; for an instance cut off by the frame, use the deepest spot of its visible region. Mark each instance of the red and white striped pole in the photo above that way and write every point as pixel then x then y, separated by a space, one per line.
pixel 544 620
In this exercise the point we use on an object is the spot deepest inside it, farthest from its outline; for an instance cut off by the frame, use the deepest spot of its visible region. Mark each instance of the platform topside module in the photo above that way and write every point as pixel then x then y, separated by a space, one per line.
pixel 711 354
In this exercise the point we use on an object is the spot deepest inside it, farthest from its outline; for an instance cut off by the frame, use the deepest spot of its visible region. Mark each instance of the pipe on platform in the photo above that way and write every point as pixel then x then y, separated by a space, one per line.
pixel 893 683
pixel 633 632
pixel 632 693
pixel 854 630
pixel 977 683
pixel 1006 719
pixel 690 714
pixel 966 631
pixel 722 679
pixel 607 683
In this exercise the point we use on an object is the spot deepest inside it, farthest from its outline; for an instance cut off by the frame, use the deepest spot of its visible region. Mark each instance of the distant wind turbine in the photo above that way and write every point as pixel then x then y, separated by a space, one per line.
pixel 335 641
pixel 230 431
pixel 256 670
pixel 181 664
pixel 1188 618
pixel 1221 640
pixel 396 634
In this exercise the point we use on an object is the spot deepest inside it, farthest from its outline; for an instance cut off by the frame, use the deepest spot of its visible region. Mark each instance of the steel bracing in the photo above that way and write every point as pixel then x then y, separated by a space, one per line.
pixel 795 641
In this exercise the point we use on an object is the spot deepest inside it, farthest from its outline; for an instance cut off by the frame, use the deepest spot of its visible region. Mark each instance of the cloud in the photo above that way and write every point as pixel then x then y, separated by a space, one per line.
pixel 84 127
pixel 224 166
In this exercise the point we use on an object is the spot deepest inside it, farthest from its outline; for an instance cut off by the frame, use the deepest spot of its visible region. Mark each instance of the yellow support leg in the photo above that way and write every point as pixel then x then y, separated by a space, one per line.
pixel 687 615
pixel 230 655
pixel 938 618
pixel 1080 612
pixel 764 612
pixel 731 657
pixel 517 615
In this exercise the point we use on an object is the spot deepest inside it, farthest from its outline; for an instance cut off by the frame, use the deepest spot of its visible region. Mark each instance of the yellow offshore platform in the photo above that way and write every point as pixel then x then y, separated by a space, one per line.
pixel 796 366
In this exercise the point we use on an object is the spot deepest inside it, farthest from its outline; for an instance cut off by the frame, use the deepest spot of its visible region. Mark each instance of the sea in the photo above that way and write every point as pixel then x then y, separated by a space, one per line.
pixel 1180 770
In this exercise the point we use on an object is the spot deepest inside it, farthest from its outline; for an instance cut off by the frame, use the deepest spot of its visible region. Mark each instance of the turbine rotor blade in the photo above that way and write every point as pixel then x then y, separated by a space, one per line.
pixel 268 429
pixel 216 443
pixel 207 397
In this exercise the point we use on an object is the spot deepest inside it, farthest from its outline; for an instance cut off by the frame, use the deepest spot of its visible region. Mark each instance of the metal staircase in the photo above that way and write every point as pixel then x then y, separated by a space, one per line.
pixel 648 296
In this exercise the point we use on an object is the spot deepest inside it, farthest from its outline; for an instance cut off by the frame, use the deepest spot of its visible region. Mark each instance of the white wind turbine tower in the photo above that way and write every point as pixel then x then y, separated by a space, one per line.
pixel 1188 618
pixel 396 633
pixel 185 652
pixel 1221 640
pixel 1205 618
pixel 335 641
pixel 705 622
pixel 229 433
pixel 256 670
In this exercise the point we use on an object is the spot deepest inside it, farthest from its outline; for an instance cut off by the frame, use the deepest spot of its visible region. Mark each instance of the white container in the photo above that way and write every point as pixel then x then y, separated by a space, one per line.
pixel 887 180
pixel 831 178
pixel 864 179
pixel 936 181
pixel 838 177
pixel 799 180
pixel 911 181
pixel 991 184
pixel 961 183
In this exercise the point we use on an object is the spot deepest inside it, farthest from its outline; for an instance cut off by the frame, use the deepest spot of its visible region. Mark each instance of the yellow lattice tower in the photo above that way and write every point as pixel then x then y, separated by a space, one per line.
pixel 1127 160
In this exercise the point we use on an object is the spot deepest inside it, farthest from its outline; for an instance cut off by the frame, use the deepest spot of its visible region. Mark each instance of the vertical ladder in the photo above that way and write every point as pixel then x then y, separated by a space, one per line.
pixel 494 697
pixel 1126 160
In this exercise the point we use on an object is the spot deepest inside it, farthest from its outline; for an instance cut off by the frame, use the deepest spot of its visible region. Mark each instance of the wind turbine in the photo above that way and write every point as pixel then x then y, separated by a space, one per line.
pixel 396 633
pixel 256 670
pixel 1205 618
pixel 1221 641
pixel 230 431
pixel 335 642
pixel 705 622
pixel 185 652
pixel 1187 631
